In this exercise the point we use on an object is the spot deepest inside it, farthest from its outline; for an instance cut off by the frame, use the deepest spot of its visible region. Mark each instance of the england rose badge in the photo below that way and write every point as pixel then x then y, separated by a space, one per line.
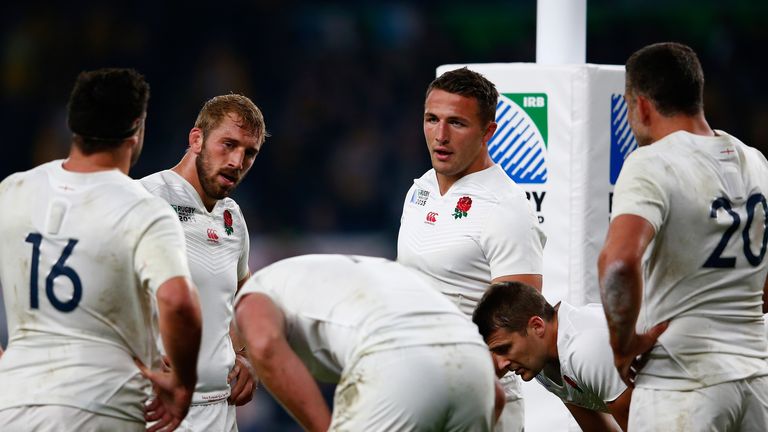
pixel 228 222
pixel 462 207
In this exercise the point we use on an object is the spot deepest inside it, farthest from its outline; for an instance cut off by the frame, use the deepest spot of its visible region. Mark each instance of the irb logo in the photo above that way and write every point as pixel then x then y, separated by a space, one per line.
pixel 519 145
pixel 534 101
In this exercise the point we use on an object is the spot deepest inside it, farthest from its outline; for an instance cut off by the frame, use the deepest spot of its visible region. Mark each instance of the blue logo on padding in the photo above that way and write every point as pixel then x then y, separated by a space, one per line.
pixel 518 146
pixel 623 142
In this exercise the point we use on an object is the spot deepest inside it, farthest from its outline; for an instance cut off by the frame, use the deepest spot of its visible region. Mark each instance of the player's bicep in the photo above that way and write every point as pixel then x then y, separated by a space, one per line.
pixel 261 324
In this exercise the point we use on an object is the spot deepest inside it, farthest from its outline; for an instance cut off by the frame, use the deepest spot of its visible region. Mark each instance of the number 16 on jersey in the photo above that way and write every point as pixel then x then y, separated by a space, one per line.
pixel 58 269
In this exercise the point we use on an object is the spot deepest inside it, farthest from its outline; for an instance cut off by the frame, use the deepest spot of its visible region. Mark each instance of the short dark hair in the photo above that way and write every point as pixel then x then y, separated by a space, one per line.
pixel 469 83
pixel 104 106
pixel 670 75
pixel 509 306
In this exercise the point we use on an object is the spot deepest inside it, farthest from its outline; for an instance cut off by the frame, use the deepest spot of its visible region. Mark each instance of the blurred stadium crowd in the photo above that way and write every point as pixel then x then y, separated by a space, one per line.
pixel 341 85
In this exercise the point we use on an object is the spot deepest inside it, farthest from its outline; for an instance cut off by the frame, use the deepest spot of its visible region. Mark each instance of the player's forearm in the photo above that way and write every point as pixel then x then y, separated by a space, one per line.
pixel 180 328
pixel 592 421
pixel 620 291
pixel 286 377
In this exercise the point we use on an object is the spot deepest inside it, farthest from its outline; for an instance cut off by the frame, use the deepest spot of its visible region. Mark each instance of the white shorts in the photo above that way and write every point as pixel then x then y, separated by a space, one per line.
pixel 424 388
pixel 732 406
pixel 59 418
pixel 212 417
pixel 513 417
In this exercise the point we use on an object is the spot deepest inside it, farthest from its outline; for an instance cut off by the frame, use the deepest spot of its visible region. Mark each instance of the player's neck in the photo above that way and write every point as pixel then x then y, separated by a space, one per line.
pixel 695 124
pixel 77 161
pixel 445 181
pixel 187 169
pixel 552 366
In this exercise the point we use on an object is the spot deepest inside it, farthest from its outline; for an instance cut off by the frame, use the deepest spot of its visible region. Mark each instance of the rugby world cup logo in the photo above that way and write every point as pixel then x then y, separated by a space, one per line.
pixel 623 142
pixel 519 145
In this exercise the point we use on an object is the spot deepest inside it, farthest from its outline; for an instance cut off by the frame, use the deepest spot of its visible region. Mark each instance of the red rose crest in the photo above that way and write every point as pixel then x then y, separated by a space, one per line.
pixel 462 207
pixel 228 222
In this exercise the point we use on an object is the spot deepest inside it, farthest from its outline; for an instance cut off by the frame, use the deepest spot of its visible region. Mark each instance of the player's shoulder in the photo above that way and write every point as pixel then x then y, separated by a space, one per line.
pixel 427 181
pixel 159 180
pixel 40 171
pixel 230 205
pixel 495 187
pixel 581 330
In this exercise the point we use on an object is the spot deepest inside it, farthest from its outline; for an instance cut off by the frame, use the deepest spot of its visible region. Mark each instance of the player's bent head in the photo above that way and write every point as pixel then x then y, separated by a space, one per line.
pixel 249 116
pixel 670 75
pixel 470 84
pixel 106 107
pixel 510 306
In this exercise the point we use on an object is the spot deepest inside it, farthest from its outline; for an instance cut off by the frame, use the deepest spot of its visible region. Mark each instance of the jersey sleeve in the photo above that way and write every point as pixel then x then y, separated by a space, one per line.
pixel 591 359
pixel 639 190
pixel 161 252
pixel 242 263
pixel 408 198
pixel 512 240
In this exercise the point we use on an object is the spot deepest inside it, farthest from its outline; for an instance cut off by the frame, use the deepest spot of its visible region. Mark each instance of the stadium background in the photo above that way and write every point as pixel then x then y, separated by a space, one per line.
pixel 341 84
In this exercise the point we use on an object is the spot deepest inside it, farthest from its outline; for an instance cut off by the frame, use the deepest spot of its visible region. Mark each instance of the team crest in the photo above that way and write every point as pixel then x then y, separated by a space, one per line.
pixel 462 207
pixel 228 222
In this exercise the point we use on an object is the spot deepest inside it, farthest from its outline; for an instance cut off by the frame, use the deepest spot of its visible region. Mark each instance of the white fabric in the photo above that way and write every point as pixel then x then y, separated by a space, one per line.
pixel 585 358
pixel 716 333
pixel 460 256
pixel 128 244
pixel 512 417
pixel 218 260
pixel 218 417
pixel 339 308
pixel 499 236
pixel 422 388
pixel 732 406
pixel 56 418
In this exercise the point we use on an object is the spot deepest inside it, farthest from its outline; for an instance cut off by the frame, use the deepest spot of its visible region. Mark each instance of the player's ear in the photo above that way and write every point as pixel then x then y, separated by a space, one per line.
pixel 196 140
pixel 645 109
pixel 536 325
pixel 489 132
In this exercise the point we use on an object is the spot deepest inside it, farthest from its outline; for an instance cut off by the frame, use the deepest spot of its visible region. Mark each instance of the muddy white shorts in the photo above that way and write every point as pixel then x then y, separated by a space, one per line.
pixel 731 406
pixel 423 388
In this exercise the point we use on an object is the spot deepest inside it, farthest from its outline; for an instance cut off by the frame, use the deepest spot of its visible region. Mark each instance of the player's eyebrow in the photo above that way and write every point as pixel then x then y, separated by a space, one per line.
pixel 500 348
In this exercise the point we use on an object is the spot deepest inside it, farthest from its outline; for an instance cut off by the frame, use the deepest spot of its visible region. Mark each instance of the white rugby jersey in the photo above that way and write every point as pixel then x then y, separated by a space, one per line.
pixel 81 258
pixel 217 248
pixel 706 266
pixel 463 251
pixel 589 378
pixel 338 308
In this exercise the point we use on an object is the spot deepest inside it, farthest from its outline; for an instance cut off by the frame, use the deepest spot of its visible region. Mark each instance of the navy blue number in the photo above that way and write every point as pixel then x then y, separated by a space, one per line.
pixel 715 260
pixel 752 202
pixel 59 269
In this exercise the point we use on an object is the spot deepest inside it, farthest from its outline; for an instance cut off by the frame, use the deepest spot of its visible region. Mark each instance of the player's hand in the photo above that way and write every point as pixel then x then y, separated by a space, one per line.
pixel 635 355
pixel 171 402
pixel 241 381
